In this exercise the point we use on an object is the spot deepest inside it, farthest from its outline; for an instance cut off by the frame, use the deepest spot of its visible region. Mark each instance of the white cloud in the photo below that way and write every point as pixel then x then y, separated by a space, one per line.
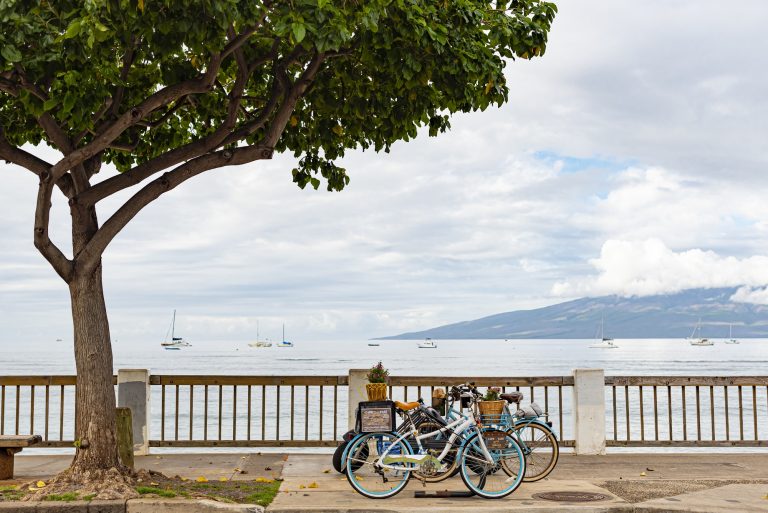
pixel 641 268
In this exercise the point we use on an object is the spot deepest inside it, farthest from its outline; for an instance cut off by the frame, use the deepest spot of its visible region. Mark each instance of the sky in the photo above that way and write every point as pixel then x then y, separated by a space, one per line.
pixel 631 159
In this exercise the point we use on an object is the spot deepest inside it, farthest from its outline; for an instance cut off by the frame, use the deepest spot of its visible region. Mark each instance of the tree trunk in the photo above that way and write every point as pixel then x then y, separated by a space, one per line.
pixel 95 393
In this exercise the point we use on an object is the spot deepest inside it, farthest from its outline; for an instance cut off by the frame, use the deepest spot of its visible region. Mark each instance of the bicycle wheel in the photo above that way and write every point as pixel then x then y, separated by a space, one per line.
pixel 481 476
pixel 364 471
pixel 540 447
pixel 436 445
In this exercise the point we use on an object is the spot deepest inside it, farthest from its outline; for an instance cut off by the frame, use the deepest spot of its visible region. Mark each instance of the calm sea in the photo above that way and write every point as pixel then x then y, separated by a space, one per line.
pixel 403 357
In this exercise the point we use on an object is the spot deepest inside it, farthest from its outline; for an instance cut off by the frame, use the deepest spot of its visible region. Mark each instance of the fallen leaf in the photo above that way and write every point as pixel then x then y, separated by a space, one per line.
pixel 650 469
pixel 642 473
pixel 267 468
pixel 223 479
pixel 155 484
pixel 40 484
pixel 312 485
pixel 236 470
pixel 301 487
pixel 264 480
pixel 326 471
pixel 201 479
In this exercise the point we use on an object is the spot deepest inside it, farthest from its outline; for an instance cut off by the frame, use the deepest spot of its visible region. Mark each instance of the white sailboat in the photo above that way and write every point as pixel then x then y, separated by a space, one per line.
pixel 428 344
pixel 696 339
pixel 601 341
pixel 731 340
pixel 176 343
pixel 258 342
pixel 284 342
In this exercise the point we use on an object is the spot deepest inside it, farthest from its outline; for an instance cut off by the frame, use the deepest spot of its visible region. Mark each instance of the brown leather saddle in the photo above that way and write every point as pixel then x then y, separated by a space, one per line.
pixel 512 397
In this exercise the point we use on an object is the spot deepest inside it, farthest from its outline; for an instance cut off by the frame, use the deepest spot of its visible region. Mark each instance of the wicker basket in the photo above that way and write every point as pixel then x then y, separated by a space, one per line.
pixel 376 391
pixel 491 407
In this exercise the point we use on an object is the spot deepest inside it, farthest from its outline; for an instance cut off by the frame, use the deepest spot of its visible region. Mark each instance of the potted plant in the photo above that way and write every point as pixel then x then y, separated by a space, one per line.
pixel 491 403
pixel 376 388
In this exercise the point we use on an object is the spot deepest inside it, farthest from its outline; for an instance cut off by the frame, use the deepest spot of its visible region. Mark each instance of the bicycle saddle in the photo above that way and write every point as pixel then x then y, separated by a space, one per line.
pixel 512 397
pixel 406 406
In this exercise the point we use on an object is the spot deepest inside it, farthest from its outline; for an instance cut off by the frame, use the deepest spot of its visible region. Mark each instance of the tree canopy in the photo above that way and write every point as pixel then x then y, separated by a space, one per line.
pixel 136 79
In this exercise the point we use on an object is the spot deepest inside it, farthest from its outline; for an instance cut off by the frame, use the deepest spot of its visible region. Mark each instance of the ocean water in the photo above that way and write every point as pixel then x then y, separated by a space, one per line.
pixel 403 357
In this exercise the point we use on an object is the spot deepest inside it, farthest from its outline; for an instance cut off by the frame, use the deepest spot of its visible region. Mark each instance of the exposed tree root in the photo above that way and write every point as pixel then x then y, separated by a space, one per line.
pixel 111 484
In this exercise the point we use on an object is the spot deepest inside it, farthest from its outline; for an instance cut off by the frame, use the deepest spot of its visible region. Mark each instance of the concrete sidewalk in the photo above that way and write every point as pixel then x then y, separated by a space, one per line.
pixel 673 482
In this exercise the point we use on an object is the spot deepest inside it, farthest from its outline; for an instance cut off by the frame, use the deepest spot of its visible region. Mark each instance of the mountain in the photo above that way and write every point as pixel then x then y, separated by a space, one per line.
pixel 661 316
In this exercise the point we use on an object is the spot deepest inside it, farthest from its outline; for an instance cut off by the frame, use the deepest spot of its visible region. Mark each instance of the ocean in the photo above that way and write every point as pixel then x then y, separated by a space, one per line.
pixel 403 357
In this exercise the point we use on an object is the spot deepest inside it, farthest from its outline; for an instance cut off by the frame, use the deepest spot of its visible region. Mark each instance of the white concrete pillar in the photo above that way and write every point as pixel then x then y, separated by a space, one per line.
pixel 589 410
pixel 133 392
pixel 357 381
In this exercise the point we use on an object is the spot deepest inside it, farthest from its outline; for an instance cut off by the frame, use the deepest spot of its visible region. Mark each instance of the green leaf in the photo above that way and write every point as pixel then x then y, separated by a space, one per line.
pixel 50 104
pixel 10 53
pixel 298 32
pixel 72 30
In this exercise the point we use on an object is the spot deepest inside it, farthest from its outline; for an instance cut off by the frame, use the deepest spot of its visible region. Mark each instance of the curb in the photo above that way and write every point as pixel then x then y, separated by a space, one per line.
pixel 130 506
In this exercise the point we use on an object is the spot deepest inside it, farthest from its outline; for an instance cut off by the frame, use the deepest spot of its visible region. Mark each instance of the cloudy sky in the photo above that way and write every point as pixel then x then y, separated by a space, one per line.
pixel 631 159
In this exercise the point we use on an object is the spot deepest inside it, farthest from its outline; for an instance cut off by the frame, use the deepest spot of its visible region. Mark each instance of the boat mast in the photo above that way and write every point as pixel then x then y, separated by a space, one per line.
pixel 173 325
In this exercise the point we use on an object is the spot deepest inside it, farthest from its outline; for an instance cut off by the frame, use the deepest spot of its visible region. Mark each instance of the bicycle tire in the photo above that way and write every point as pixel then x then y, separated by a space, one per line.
pixel 471 456
pixel 540 447
pixel 364 478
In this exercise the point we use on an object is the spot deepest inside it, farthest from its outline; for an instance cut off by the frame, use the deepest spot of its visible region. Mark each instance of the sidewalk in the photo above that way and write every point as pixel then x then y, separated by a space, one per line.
pixel 714 483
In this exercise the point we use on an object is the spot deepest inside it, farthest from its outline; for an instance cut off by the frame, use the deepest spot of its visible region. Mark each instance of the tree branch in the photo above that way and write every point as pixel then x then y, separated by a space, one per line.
pixel 63 266
pixel 159 99
pixel 194 149
pixel 87 260
pixel 32 163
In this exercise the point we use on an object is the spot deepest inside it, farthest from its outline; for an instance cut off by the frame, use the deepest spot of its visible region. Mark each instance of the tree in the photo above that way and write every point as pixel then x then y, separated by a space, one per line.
pixel 163 90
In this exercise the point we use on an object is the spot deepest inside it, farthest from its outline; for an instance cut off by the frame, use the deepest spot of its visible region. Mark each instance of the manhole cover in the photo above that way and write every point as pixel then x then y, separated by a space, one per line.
pixel 571 496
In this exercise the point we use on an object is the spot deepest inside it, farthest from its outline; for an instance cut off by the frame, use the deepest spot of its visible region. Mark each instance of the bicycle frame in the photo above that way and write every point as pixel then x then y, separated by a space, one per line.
pixel 461 425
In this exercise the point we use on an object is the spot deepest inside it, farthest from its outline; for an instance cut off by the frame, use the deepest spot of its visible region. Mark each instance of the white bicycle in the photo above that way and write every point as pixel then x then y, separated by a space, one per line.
pixel 491 462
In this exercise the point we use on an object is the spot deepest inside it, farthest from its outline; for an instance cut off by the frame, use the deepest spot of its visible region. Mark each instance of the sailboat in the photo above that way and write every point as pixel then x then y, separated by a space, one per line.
pixel 696 339
pixel 731 340
pixel 259 342
pixel 601 341
pixel 176 343
pixel 285 343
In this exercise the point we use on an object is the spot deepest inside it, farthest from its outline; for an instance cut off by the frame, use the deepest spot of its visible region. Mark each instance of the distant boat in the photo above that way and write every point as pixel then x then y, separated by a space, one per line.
pixel 696 339
pixel 428 344
pixel 58 340
pixel 374 344
pixel 603 342
pixel 175 342
pixel 258 342
pixel 285 343
pixel 731 340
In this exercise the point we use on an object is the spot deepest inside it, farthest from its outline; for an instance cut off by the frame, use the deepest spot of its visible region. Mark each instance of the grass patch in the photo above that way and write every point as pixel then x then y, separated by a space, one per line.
pixel 265 495
pixel 62 497
pixel 10 493
pixel 146 490
pixel 261 491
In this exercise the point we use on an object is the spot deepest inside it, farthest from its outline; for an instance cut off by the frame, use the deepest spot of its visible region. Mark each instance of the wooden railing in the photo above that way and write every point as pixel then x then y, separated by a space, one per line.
pixel 248 411
pixel 551 392
pixel 682 411
pixel 312 411
pixel 43 405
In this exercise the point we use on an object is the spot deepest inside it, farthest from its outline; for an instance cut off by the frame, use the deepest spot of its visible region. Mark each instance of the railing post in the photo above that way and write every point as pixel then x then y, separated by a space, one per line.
pixel 357 380
pixel 589 410
pixel 133 392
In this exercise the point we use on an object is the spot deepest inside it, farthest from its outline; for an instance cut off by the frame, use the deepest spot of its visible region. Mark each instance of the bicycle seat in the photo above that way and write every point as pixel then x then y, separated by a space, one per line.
pixel 406 406
pixel 512 397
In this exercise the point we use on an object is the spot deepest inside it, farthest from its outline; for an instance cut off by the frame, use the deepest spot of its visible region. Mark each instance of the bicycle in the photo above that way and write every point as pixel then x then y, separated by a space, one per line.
pixel 379 464
pixel 535 436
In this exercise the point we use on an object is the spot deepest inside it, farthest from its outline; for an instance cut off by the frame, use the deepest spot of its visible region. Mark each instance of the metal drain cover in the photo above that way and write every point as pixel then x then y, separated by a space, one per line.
pixel 571 496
